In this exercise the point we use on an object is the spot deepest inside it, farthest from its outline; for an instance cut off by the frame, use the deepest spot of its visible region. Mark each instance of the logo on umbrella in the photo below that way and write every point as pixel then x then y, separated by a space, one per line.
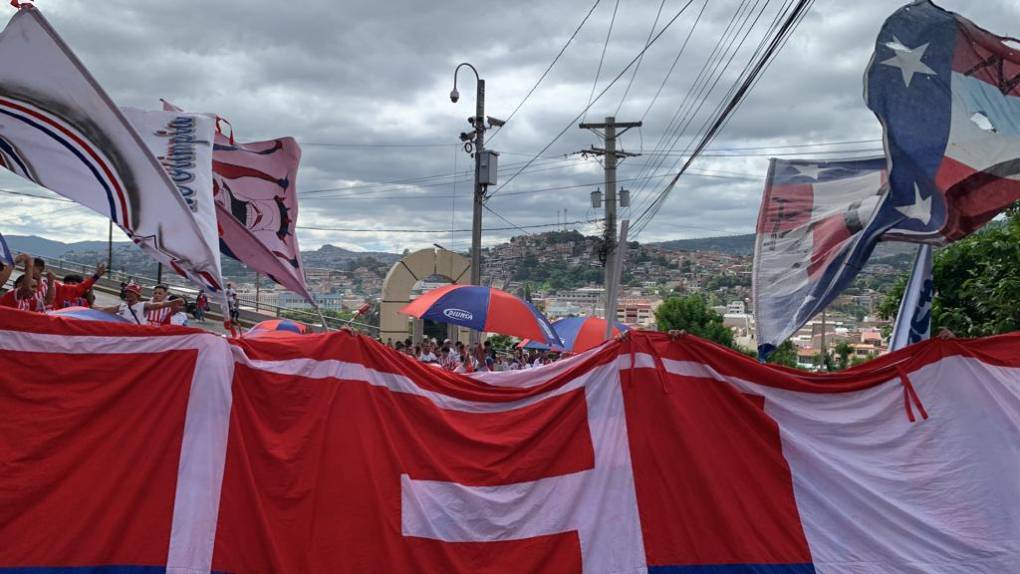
pixel 458 314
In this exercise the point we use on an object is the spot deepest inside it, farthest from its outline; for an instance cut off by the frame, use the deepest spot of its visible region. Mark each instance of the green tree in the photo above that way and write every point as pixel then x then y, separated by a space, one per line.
pixel 843 352
pixel 693 315
pixel 785 355
pixel 977 283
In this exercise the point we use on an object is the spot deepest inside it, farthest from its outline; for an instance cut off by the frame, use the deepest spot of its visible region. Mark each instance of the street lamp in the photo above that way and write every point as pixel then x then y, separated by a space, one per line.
pixel 476 149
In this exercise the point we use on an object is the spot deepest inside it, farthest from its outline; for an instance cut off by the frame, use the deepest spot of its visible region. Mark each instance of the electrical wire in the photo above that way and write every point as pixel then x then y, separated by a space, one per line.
pixel 443 231
pixel 602 58
pixel 585 110
pixel 790 23
pixel 675 61
pixel 546 72
pixel 630 82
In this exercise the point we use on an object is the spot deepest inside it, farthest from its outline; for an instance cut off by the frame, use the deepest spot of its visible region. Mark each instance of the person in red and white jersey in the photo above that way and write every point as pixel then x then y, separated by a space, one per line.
pixel 74 291
pixel 134 309
pixel 159 316
pixel 26 294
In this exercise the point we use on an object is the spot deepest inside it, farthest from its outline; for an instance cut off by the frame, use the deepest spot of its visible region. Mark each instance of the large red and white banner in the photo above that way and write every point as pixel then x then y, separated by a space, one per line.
pixel 127 449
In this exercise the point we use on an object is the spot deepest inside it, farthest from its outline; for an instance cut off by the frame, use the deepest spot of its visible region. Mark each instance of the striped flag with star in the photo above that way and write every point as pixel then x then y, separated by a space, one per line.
pixel 948 96
pixel 816 228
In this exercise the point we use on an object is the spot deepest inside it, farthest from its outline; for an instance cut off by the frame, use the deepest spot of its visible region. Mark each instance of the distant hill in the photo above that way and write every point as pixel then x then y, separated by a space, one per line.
pixel 733 244
pixel 43 247
pixel 127 254
pixel 332 257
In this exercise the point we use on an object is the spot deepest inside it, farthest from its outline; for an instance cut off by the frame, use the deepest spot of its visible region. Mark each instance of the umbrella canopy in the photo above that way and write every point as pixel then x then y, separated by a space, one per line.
pixel 87 314
pixel 483 309
pixel 578 334
pixel 276 326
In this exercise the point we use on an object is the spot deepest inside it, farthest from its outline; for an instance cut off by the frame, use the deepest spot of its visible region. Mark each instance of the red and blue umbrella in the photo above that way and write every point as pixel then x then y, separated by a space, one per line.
pixel 579 334
pixel 87 314
pixel 276 326
pixel 483 309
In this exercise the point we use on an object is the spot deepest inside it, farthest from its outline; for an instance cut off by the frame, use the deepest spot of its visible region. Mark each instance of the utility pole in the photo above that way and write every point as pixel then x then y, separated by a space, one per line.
pixel 611 155
pixel 109 249
pixel 485 169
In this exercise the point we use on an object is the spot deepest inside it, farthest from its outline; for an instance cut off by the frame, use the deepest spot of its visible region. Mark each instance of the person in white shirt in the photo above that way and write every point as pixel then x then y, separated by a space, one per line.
pixel 179 317
pixel 134 310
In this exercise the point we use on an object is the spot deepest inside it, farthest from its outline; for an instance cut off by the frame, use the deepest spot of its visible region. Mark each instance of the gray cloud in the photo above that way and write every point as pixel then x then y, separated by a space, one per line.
pixel 379 73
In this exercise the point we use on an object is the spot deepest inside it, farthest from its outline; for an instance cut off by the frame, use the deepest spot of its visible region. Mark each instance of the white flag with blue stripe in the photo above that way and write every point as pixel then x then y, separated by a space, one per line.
pixel 59 129
pixel 913 320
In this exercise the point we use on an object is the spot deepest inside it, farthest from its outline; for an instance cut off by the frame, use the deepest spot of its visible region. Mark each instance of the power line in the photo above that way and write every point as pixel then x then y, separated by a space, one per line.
pixel 374 145
pixel 675 61
pixel 638 66
pixel 438 231
pixel 585 110
pixel 602 58
pixel 546 72
pixel 792 20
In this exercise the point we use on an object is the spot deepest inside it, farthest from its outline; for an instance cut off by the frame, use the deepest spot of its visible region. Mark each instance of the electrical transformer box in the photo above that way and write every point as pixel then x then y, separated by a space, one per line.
pixel 487 166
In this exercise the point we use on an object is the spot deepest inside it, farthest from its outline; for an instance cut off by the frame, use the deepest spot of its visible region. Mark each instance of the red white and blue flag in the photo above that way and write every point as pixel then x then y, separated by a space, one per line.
pixel 135 450
pixel 948 95
pixel 60 130
pixel 816 229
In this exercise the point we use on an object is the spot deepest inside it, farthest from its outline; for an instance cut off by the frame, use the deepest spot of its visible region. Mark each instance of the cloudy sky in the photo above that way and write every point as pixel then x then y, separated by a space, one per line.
pixel 364 87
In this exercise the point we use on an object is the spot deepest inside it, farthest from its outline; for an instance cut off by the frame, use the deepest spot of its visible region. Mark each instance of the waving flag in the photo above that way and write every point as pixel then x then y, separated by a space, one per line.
pixel 913 320
pixel 255 187
pixel 183 452
pixel 183 144
pixel 948 95
pixel 816 228
pixel 61 131
pixel 5 252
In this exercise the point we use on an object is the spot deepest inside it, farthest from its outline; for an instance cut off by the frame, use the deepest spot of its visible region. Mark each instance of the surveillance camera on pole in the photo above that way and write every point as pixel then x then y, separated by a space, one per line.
pixel 454 95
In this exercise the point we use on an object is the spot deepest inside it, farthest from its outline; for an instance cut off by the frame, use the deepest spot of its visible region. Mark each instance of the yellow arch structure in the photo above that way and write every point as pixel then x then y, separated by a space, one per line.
pixel 400 280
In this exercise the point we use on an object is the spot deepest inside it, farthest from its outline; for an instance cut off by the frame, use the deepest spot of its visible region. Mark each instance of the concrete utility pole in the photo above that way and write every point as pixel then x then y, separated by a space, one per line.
pixel 485 169
pixel 611 155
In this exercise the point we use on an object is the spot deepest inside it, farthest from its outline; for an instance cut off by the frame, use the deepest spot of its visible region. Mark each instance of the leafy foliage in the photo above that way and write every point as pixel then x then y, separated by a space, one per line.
pixel 692 314
pixel 977 283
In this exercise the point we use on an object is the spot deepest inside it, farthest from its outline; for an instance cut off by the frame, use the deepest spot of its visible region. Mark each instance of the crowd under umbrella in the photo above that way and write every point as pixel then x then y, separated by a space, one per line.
pixel 87 314
pixel 483 309
pixel 578 334
pixel 276 326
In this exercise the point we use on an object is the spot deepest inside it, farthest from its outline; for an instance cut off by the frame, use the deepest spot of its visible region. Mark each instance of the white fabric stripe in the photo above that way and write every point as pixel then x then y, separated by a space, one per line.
pixel 574 502
pixel 203 458
pixel 206 425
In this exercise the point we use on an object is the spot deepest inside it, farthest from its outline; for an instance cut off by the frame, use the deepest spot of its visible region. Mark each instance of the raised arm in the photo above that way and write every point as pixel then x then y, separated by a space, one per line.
pixel 174 303
pixel 5 274
pixel 51 290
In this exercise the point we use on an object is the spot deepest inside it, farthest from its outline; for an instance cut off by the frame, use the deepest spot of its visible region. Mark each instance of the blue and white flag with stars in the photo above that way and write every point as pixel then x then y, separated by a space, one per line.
pixel 948 96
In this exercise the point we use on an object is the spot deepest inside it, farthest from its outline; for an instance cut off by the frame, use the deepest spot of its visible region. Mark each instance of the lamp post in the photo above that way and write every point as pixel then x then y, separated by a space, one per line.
pixel 474 144
pixel 475 148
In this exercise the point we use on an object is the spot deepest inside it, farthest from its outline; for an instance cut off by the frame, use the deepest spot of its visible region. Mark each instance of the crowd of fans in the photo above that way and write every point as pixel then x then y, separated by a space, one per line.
pixel 36 289
pixel 458 357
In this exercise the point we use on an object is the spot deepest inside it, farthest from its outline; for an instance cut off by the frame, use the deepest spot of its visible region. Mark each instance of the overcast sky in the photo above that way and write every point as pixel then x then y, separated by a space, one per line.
pixel 364 87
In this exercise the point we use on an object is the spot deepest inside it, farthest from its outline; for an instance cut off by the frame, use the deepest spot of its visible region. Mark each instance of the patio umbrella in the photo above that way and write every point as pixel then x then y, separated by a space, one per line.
pixel 483 309
pixel 87 314
pixel 578 334
pixel 276 326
